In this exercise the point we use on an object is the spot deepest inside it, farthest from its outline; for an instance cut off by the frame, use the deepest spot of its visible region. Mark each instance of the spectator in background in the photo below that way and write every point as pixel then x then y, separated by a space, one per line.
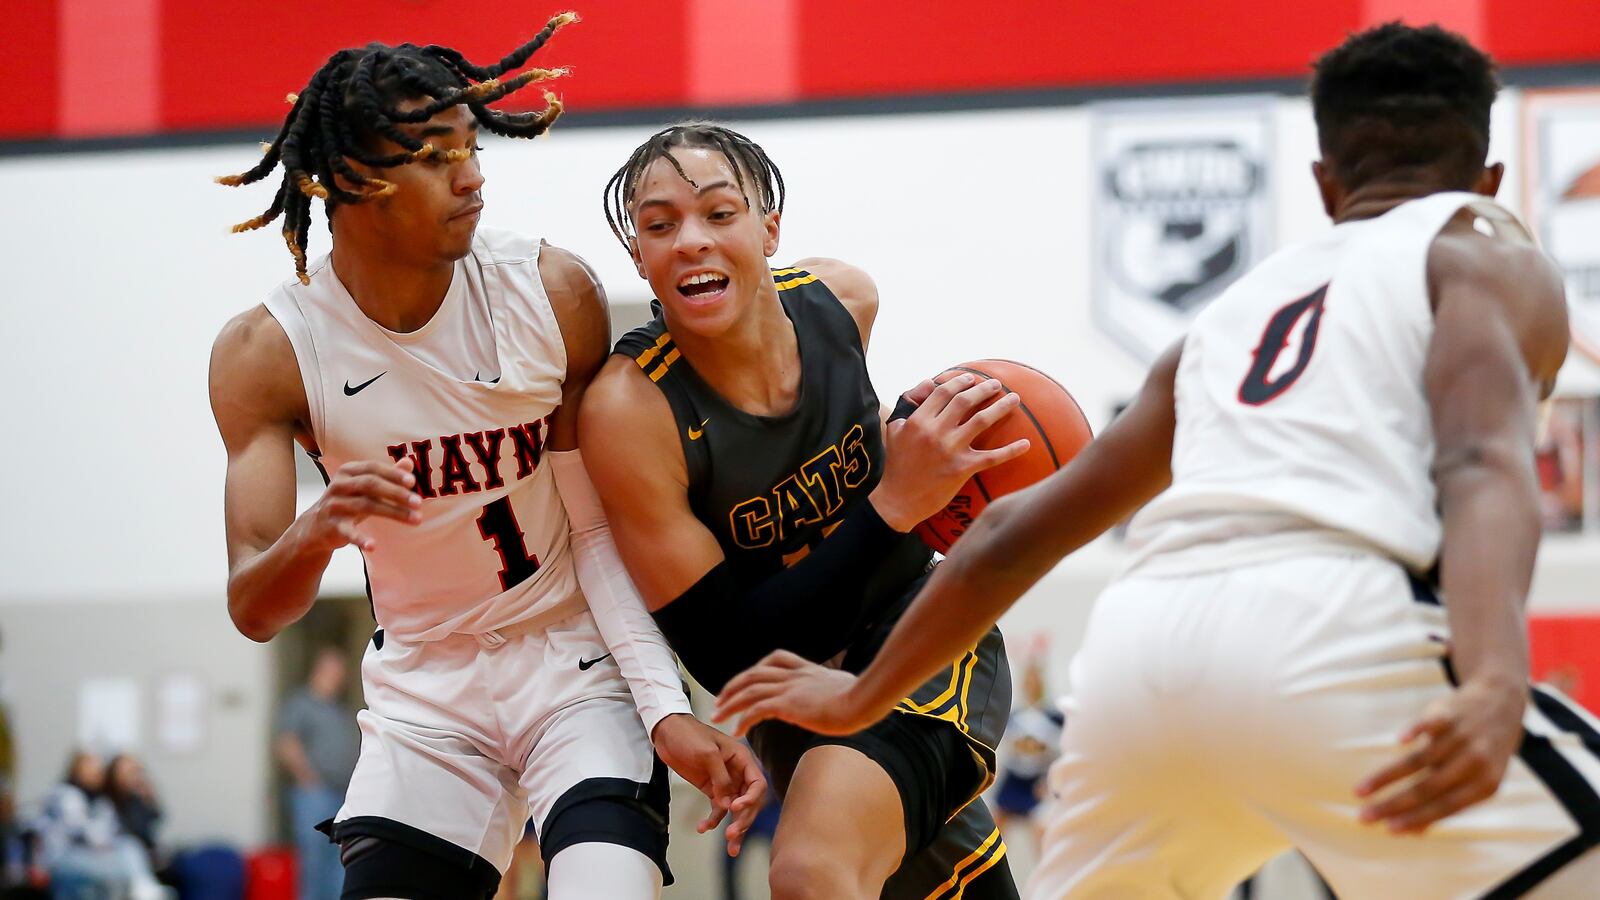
pixel 81 843
pixel 131 796
pixel 1032 743
pixel 318 743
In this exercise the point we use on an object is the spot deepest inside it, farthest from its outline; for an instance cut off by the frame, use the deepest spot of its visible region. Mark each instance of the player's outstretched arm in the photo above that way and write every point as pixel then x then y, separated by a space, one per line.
pixel 275 560
pixel 1010 547
pixel 1500 336
pixel 721 767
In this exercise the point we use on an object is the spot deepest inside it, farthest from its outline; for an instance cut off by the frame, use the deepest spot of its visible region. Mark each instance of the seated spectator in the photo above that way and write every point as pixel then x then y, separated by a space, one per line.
pixel 134 800
pixel 82 845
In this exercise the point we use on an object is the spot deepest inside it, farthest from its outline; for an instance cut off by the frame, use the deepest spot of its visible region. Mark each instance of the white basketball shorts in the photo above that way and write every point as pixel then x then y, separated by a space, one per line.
pixel 1218 719
pixel 465 738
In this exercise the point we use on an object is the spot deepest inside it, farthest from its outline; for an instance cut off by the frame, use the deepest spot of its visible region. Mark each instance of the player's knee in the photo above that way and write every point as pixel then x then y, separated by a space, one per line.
pixel 799 872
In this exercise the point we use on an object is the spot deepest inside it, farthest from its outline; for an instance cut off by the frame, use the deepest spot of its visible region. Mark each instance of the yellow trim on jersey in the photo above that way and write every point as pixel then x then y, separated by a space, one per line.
pixel 985 866
pixel 666 363
pixel 651 353
pixel 778 273
pixel 954 700
pixel 796 282
pixel 946 694
pixel 981 860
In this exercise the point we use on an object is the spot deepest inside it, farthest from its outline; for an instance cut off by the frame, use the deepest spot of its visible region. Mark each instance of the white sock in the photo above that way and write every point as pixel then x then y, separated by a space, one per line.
pixel 590 870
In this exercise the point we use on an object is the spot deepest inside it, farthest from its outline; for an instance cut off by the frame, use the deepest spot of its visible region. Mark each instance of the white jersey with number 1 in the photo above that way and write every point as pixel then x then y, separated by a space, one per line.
pixel 491 550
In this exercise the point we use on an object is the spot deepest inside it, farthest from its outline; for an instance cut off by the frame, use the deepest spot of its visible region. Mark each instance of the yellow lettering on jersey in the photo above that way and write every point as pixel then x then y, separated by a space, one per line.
pixel 857 462
pixel 812 494
pixel 752 523
pixel 796 506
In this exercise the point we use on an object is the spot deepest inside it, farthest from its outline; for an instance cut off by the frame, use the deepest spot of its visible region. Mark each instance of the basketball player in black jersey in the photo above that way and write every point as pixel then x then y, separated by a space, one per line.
pixel 759 503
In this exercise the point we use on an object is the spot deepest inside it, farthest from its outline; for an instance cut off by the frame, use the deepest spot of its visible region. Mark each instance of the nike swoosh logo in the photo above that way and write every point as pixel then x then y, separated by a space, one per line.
pixel 478 377
pixel 696 433
pixel 352 391
pixel 585 664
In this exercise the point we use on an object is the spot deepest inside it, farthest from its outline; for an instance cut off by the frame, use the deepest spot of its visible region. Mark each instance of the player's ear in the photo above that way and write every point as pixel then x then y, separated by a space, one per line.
pixel 1330 189
pixel 638 261
pixel 769 244
pixel 1489 182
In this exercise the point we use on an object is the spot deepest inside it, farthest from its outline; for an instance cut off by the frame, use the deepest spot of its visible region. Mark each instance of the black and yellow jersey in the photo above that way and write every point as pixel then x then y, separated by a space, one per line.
pixel 772 487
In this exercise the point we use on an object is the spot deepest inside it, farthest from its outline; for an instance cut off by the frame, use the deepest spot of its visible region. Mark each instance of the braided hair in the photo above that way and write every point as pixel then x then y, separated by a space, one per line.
pixel 353 99
pixel 744 155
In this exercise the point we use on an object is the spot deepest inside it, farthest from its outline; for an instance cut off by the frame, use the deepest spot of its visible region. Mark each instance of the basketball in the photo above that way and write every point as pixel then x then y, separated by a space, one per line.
pixel 1048 417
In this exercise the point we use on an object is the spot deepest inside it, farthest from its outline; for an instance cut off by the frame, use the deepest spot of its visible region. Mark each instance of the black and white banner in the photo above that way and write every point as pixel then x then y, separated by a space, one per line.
pixel 1561 141
pixel 1182 205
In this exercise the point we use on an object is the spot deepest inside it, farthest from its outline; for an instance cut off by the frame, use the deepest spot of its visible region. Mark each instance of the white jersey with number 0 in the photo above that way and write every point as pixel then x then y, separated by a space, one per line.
pixel 492 549
pixel 1301 416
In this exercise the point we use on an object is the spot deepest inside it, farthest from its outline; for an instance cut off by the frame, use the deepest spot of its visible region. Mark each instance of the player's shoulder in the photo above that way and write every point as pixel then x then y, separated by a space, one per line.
pixel 625 415
pixel 1485 258
pixel 854 288
pixel 1484 243
pixel 851 284
pixel 579 303
pixel 252 339
pixel 254 373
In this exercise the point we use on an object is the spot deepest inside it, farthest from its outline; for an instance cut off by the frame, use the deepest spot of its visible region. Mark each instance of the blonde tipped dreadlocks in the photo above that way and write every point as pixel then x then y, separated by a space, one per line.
pixel 354 98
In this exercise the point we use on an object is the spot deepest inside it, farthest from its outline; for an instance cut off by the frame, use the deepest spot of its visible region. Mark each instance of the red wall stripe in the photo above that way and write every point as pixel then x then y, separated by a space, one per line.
pixel 33 72
pixel 743 51
pixel 1465 17
pixel 228 63
pixel 109 60
pixel 1546 31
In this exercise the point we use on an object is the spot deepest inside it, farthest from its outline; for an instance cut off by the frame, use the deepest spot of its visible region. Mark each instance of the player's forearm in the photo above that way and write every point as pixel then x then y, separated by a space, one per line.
pixel 1489 506
pixel 814 608
pixel 1018 539
pixel 271 590
pixel 638 647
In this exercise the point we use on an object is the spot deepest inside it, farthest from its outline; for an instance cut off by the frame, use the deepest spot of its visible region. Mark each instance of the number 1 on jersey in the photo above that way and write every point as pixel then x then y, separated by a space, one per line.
pixel 498 523
pixel 1258 386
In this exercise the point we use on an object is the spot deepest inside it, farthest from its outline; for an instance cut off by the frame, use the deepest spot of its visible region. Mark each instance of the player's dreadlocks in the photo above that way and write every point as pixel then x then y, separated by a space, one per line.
pixel 745 155
pixel 352 99
pixel 1396 97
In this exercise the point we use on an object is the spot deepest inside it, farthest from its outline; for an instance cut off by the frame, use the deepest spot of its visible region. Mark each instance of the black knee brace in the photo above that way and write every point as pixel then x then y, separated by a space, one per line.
pixel 387 859
pixel 612 811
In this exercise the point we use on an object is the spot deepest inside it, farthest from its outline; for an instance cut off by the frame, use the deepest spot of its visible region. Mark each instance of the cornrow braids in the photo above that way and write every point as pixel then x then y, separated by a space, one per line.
pixel 355 97
pixel 744 155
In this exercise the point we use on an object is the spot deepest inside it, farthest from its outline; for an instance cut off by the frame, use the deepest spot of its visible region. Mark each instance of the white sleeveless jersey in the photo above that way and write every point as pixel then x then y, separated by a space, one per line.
pixel 491 550
pixel 1301 417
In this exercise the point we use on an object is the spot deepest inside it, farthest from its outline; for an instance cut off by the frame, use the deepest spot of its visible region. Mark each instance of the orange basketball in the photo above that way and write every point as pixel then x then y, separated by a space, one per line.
pixel 1048 417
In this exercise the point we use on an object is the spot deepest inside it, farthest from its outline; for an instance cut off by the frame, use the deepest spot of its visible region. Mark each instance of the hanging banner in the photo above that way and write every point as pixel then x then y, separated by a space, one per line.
pixel 1561 162
pixel 1182 205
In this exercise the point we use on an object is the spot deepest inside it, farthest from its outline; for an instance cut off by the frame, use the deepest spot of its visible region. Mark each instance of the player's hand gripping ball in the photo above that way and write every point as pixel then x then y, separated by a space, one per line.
pixel 1048 418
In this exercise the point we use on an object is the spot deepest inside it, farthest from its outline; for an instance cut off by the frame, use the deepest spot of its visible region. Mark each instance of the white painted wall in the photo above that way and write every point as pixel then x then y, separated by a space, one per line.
pixel 120 271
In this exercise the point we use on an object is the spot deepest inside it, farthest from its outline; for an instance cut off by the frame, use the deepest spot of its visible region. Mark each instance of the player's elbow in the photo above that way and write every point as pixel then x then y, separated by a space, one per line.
pixel 248 620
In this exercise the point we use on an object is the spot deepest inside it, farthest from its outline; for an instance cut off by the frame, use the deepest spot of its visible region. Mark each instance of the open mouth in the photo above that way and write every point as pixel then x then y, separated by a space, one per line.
pixel 703 286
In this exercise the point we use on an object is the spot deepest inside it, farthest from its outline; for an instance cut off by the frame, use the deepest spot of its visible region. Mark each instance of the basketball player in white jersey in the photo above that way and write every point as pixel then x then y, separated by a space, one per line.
pixel 434 371
pixel 1350 420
